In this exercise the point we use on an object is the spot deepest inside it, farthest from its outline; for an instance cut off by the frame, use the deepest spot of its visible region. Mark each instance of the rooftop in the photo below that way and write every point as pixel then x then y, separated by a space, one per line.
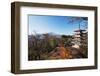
pixel 79 30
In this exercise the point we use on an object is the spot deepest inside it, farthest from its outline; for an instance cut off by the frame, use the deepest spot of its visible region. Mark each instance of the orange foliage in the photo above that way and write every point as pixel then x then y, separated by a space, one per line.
pixel 64 53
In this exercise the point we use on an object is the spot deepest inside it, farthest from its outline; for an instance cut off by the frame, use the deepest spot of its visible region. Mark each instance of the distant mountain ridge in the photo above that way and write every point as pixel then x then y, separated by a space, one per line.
pixel 49 35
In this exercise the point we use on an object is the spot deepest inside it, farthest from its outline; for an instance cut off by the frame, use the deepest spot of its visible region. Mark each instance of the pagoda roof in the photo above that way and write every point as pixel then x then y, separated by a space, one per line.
pixel 79 30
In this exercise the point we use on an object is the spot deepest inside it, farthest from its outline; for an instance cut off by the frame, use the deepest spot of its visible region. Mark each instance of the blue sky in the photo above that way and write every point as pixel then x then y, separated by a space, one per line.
pixel 55 24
